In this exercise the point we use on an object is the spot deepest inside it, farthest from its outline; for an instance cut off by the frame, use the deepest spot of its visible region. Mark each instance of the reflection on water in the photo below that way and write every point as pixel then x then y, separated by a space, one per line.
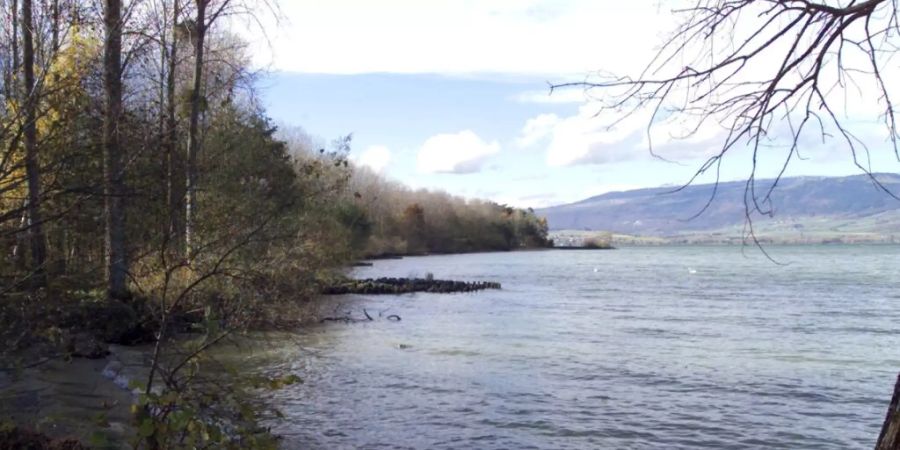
pixel 639 347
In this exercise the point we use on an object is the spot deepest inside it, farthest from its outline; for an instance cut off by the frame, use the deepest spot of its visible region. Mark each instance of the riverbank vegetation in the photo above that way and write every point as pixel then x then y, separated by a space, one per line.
pixel 397 220
pixel 583 240
pixel 144 193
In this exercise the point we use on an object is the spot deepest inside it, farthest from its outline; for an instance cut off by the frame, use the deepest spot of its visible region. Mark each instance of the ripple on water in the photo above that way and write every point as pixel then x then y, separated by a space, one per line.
pixel 639 354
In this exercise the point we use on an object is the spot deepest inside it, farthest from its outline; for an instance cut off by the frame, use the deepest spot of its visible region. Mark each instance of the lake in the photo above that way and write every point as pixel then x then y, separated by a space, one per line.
pixel 644 347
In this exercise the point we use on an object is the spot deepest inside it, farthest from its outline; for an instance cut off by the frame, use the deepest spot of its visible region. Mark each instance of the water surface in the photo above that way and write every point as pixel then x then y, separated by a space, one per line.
pixel 675 347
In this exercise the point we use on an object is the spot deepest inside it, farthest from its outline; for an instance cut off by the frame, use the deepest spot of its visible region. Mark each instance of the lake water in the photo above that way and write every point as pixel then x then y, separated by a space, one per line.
pixel 673 347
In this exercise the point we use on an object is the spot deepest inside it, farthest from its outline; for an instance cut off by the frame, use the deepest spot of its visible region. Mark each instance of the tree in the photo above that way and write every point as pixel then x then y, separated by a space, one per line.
pixel 770 73
pixel 113 157
pixel 174 187
pixel 414 228
pixel 30 99
pixel 767 73
pixel 198 28
pixel 198 37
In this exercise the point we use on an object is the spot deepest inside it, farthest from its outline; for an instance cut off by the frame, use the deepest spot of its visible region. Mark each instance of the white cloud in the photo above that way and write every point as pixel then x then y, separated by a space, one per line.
pixel 375 157
pixel 591 138
pixel 463 152
pixel 536 129
pixel 460 36
pixel 581 138
pixel 558 96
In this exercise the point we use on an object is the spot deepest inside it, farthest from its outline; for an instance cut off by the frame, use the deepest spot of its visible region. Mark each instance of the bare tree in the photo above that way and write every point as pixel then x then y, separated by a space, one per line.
pixel 198 37
pixel 207 12
pixel 12 92
pixel 769 73
pixel 173 187
pixel 54 25
pixel 30 99
pixel 114 164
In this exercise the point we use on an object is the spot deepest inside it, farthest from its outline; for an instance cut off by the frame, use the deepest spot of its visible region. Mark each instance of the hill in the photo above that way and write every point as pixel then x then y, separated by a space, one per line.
pixel 805 208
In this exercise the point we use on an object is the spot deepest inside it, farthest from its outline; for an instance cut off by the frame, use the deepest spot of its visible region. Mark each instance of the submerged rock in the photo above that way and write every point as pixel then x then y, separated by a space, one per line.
pixel 86 345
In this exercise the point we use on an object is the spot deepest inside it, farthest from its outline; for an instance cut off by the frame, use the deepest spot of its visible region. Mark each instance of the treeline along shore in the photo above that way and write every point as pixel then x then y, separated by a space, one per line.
pixel 145 194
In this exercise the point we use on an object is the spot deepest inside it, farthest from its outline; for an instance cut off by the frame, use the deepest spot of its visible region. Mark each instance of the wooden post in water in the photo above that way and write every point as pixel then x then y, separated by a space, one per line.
pixel 889 439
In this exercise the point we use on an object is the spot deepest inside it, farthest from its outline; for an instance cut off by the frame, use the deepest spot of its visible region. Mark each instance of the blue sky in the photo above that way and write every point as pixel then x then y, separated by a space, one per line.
pixel 453 95
pixel 401 112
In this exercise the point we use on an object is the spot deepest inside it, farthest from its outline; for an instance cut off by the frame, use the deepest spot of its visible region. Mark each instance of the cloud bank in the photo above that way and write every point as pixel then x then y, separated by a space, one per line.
pixel 459 153
pixel 457 36
pixel 375 157
pixel 590 138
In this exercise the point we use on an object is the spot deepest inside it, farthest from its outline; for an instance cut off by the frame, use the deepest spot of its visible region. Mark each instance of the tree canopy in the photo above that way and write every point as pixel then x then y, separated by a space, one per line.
pixel 145 193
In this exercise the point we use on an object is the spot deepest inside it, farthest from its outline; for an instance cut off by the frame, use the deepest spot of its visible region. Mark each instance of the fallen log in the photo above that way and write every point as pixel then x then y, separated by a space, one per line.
pixel 348 318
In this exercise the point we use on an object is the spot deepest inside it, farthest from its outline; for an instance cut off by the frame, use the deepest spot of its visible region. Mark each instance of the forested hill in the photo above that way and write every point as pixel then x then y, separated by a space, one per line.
pixel 853 202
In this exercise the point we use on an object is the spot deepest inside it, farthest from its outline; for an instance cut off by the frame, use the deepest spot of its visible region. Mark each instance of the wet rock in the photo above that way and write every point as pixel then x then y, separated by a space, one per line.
pixel 113 322
pixel 112 369
pixel 85 345
pixel 388 285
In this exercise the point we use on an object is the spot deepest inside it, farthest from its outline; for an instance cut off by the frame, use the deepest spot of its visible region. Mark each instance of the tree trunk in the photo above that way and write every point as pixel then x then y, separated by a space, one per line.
pixel 32 169
pixel 194 126
pixel 54 27
pixel 889 439
pixel 12 75
pixel 114 186
pixel 12 86
pixel 162 134
pixel 174 177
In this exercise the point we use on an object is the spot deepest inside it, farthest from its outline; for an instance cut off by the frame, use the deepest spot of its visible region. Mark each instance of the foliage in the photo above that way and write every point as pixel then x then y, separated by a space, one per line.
pixel 601 241
pixel 403 221
pixel 274 217
pixel 190 413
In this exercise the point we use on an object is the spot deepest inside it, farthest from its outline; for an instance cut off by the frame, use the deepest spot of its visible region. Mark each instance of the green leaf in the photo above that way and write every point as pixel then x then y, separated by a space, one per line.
pixel 215 434
pixel 146 429
pixel 247 412
pixel 99 440
pixel 101 420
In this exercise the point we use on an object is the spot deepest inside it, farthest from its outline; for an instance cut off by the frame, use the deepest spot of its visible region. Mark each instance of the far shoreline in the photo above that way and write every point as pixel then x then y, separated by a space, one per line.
pixel 369 261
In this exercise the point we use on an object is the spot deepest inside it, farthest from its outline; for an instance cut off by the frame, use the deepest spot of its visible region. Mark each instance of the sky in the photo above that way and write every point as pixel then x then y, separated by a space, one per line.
pixel 454 95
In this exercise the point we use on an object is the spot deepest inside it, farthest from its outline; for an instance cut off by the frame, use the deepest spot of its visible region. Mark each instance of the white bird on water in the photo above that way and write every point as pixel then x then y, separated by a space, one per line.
pixel 691 270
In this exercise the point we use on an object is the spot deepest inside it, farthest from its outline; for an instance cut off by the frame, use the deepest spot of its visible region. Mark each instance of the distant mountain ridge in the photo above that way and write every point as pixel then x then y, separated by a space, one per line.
pixel 853 203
